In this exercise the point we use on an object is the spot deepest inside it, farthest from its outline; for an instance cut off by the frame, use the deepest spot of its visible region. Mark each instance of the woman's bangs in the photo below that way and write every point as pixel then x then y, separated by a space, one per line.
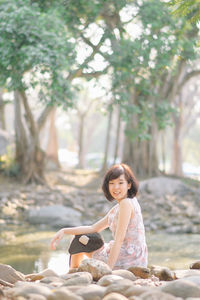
pixel 115 173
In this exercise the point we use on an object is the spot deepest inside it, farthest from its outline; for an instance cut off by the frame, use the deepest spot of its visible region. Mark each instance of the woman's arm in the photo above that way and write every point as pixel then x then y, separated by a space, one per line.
pixel 97 227
pixel 125 212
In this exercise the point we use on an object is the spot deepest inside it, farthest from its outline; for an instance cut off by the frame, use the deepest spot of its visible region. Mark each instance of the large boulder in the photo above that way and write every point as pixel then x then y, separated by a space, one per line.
pixel 162 186
pixel 54 215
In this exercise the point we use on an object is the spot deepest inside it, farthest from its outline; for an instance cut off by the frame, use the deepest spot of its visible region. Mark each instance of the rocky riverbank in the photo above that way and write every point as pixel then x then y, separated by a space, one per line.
pixel 94 280
pixel 168 204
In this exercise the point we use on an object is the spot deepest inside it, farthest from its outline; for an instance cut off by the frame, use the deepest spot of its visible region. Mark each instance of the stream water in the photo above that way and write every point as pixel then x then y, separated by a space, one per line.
pixel 27 249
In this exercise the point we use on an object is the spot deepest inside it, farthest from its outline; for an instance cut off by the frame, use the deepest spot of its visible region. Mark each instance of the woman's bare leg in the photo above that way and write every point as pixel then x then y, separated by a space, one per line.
pixel 76 259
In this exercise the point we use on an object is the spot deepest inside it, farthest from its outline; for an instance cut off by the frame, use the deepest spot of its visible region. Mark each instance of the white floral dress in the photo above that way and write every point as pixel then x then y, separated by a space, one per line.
pixel 133 251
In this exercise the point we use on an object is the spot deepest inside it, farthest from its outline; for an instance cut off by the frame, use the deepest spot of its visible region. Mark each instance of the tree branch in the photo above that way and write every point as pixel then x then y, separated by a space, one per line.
pixel 29 115
pixel 93 74
pixel 187 77
pixel 79 71
pixel 43 117
pixel 94 47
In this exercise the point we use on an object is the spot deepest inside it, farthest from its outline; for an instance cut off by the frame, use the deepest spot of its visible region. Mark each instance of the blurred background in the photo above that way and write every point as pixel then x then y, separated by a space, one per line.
pixel 84 85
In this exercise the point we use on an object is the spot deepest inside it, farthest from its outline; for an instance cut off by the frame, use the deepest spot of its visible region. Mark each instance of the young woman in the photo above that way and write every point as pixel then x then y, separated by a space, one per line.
pixel 128 247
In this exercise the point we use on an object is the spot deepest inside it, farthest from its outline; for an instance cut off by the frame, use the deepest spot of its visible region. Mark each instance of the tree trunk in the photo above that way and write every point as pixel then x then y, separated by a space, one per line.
pixel 141 155
pixel 177 141
pixel 152 159
pixel 29 156
pixel 117 138
pixel 105 161
pixel 163 155
pixel 20 137
pixel 52 146
pixel 2 113
pixel 81 150
pixel 132 147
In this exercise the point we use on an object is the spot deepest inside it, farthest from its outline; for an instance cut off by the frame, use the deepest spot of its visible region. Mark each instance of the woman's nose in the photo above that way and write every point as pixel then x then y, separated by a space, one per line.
pixel 116 185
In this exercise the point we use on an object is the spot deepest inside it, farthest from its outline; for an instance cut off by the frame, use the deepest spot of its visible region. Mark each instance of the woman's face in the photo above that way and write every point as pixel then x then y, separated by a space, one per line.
pixel 119 187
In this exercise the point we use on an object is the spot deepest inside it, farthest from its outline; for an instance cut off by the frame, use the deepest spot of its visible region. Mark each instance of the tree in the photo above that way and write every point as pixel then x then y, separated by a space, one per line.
pixel 35 51
pixel 144 84
pixel 152 86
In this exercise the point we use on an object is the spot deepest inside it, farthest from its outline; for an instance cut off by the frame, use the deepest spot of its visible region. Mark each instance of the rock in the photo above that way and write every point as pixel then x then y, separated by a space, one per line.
pixel 182 288
pixel 63 294
pixel 161 186
pixel 55 215
pixel 135 291
pixel 32 297
pixel 195 265
pixel 162 273
pixel 186 273
pixel 109 279
pixel 115 296
pixel 74 288
pixel 92 292
pixel 96 267
pixel 10 275
pixel 80 278
pixel 194 279
pixel 125 274
pixel 157 295
pixel 121 287
pixel 53 281
pixel 38 276
pixel 26 288
pixel 140 272
pixel 73 270
pixel 153 281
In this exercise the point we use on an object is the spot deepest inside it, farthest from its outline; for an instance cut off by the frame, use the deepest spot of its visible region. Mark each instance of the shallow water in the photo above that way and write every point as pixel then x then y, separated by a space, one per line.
pixel 27 250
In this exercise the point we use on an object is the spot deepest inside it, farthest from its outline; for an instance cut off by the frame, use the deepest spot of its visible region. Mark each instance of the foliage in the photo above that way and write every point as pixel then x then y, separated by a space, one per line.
pixel 138 64
pixel 35 43
pixel 141 64
pixel 189 8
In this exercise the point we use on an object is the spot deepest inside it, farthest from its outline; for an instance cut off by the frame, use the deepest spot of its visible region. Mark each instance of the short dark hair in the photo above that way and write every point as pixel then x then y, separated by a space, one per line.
pixel 113 173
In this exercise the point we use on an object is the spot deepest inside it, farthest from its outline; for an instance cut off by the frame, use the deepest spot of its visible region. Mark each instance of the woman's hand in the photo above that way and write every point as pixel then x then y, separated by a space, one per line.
pixel 56 239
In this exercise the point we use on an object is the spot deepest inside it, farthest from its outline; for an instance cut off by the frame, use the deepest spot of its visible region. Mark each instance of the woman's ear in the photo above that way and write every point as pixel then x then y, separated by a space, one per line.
pixel 129 186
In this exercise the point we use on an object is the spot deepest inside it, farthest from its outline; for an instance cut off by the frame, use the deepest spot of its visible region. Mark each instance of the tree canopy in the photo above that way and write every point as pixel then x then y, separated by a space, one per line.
pixel 145 54
pixel 35 43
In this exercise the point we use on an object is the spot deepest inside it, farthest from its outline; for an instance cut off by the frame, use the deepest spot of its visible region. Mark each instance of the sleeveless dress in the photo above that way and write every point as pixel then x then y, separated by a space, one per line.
pixel 133 251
